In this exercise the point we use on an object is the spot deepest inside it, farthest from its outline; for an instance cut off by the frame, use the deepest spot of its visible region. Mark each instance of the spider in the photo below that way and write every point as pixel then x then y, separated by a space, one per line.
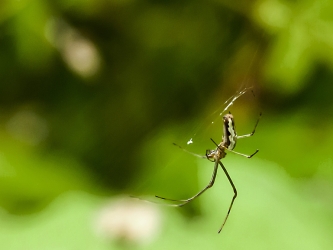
pixel 228 143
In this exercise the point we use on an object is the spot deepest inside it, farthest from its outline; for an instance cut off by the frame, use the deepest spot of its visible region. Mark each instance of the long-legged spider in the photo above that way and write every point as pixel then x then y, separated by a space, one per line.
pixel 228 143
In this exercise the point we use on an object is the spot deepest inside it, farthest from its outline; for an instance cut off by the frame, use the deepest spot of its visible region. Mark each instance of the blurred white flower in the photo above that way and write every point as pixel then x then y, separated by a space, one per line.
pixel 129 220
pixel 77 51
pixel 80 54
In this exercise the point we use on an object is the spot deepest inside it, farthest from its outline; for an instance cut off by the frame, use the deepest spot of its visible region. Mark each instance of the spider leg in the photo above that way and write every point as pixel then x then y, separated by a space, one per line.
pixel 197 155
pixel 252 133
pixel 237 153
pixel 183 202
pixel 233 198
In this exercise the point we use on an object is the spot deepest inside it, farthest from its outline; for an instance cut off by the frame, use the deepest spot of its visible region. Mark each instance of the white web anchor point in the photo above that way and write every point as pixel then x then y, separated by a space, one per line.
pixel 190 142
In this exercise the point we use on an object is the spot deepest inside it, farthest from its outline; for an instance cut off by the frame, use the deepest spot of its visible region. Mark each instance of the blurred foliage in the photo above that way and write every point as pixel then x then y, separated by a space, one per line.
pixel 302 31
pixel 94 93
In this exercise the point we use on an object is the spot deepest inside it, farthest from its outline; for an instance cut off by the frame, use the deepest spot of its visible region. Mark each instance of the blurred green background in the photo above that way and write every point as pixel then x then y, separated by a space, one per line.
pixel 93 93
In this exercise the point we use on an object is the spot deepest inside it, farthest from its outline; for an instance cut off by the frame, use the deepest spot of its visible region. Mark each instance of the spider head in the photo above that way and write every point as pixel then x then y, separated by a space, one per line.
pixel 210 154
